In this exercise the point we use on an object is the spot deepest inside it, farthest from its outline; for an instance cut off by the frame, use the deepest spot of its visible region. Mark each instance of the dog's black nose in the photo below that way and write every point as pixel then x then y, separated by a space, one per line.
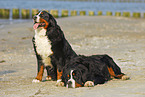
pixel 35 17
pixel 69 84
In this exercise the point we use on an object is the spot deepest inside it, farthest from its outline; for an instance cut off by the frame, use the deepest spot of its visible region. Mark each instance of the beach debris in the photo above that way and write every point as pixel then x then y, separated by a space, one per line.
pixel 38 92
pixel 2 61
pixel 23 38
pixel 9 32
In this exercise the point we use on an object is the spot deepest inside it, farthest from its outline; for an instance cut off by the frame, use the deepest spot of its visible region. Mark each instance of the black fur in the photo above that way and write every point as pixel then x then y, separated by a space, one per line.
pixel 92 68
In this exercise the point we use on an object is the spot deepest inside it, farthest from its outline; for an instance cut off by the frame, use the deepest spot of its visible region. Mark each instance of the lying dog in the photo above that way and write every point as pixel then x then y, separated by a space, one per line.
pixel 51 48
pixel 90 71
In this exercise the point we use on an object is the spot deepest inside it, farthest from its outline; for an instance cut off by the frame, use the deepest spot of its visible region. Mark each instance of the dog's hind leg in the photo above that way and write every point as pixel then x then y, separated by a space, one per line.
pixel 51 73
pixel 48 69
pixel 113 68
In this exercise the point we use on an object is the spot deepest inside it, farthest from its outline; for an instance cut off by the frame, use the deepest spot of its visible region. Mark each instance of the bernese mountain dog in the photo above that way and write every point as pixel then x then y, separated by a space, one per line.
pixel 51 47
pixel 55 54
pixel 90 70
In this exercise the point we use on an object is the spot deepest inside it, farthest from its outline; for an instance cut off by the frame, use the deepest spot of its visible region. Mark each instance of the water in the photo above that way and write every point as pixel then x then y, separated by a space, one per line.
pixel 75 5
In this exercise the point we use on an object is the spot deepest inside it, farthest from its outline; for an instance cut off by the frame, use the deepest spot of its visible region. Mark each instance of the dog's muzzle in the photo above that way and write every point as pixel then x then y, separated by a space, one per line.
pixel 69 84
pixel 34 18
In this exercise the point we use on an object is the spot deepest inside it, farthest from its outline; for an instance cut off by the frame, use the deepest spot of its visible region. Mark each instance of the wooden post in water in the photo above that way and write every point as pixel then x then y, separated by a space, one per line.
pixel 54 13
pixel 91 13
pixel 34 12
pixel 4 13
pixel 113 0
pixel 126 14
pixel 73 13
pixel 15 13
pixel 139 1
pixel 99 13
pixel 108 13
pixel 120 1
pixel 7 14
pixel 25 13
pixel 128 1
pixel 133 1
pixel 105 0
pixel 64 13
pixel 82 13
pixel 124 1
pixel 117 14
pixel 136 15
pixel 109 0
pixel 1 13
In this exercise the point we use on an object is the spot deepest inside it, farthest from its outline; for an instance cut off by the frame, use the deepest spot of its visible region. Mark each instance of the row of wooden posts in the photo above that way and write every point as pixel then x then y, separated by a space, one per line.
pixel 129 1
pixel 25 13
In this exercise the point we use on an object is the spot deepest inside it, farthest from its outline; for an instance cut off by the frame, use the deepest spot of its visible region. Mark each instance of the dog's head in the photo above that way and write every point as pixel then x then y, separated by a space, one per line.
pixel 43 19
pixel 75 77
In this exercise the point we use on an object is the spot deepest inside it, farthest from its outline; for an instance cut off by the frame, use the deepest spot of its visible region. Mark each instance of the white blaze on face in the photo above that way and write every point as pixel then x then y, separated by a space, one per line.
pixel 38 17
pixel 71 80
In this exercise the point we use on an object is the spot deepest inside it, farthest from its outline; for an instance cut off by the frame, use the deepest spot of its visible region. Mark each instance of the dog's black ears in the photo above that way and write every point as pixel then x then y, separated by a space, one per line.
pixel 52 21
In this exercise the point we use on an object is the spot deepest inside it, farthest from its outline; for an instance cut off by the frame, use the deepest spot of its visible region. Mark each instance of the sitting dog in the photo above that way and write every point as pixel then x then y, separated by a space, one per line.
pixel 90 70
pixel 51 48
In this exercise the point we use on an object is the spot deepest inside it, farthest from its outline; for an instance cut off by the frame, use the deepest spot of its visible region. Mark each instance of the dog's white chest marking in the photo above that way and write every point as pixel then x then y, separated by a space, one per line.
pixel 43 45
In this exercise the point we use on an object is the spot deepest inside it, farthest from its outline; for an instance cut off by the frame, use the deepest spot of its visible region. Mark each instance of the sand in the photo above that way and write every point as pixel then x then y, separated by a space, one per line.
pixel 121 38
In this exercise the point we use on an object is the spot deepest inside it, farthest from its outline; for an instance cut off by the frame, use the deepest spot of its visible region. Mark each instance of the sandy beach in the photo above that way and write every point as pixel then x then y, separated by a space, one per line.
pixel 121 38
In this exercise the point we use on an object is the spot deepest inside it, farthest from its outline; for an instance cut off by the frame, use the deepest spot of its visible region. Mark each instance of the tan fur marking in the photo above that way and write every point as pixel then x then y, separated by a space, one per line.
pixel 59 74
pixel 77 85
pixel 46 23
pixel 113 74
pixel 119 76
pixel 40 73
pixel 47 62
pixel 111 71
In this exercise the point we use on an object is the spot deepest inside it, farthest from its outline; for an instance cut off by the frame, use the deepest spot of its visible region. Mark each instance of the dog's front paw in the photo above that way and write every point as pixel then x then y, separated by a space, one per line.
pixel 59 83
pixel 48 78
pixel 35 81
pixel 124 77
pixel 89 84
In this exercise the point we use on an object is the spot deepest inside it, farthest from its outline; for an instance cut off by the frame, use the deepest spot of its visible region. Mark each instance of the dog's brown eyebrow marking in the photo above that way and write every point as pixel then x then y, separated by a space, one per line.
pixel 73 73
pixel 68 75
